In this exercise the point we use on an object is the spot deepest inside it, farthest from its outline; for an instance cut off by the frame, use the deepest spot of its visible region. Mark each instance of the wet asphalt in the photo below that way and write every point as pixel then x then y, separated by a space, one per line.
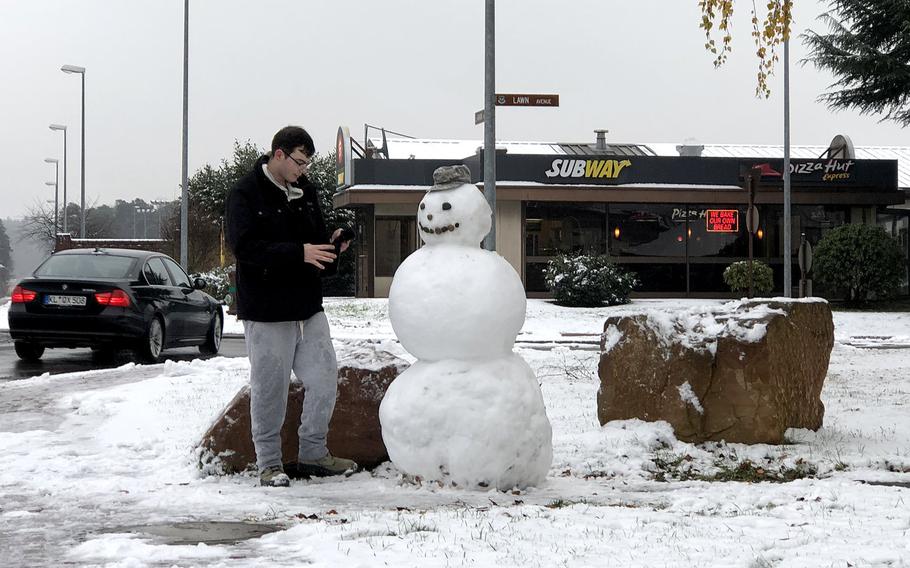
pixel 56 361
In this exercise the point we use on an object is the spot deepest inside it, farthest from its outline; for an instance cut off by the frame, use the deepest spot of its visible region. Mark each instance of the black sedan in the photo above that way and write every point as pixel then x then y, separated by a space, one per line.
pixel 111 299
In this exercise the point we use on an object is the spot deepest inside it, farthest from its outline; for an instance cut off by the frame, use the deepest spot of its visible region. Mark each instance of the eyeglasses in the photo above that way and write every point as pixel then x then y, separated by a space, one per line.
pixel 300 163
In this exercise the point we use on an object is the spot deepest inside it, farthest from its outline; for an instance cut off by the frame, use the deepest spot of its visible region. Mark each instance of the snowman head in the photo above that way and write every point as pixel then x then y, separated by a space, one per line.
pixel 454 211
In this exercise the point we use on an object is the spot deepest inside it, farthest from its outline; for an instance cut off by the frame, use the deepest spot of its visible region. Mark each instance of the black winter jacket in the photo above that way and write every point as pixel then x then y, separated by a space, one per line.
pixel 266 233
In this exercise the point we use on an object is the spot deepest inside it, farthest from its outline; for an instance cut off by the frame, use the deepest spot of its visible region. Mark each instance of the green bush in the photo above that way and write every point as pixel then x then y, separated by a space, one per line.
pixel 588 281
pixel 218 281
pixel 859 263
pixel 736 276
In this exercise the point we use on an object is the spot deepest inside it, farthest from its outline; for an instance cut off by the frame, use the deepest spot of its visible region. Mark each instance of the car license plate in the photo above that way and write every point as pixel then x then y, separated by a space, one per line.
pixel 56 300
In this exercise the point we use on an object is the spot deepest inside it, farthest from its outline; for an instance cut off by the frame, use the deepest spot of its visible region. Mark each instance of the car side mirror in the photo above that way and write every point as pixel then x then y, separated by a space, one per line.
pixel 199 284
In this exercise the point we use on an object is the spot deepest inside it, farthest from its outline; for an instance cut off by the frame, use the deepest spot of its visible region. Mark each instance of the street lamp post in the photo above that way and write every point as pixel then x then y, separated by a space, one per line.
pixel 56 181
pixel 62 127
pixel 80 71
pixel 184 191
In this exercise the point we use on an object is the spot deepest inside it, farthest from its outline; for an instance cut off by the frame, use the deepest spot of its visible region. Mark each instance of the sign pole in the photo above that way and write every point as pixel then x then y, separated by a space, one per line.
pixel 752 220
pixel 489 122
pixel 788 270
pixel 749 229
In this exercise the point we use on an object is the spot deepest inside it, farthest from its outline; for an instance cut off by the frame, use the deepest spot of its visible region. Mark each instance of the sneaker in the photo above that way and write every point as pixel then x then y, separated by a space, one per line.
pixel 327 466
pixel 274 476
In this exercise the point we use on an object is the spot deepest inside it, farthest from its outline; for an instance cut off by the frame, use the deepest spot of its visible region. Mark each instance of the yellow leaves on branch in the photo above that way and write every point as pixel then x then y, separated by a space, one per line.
pixel 768 33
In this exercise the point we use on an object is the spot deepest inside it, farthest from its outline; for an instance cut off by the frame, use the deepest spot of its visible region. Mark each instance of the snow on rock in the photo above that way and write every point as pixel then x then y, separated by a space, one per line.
pixel 699 327
pixel 687 395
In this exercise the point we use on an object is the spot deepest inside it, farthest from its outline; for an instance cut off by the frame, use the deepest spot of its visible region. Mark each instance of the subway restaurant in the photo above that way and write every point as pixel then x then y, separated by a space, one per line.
pixel 676 220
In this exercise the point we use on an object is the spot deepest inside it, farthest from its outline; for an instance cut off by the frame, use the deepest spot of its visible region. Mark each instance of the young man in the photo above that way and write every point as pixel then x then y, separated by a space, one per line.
pixel 276 231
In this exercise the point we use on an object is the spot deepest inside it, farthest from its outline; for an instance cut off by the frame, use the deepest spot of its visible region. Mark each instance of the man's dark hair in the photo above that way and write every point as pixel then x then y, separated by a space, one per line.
pixel 291 137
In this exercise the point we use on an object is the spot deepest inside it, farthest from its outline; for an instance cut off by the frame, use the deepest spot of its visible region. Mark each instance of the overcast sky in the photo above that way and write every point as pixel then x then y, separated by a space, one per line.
pixel 637 68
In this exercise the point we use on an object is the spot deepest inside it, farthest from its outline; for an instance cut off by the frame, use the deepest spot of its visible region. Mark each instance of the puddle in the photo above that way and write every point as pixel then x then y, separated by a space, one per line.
pixel 904 484
pixel 208 532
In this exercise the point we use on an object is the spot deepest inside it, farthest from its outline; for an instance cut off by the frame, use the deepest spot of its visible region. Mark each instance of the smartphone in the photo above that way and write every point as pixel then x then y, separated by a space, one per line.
pixel 347 234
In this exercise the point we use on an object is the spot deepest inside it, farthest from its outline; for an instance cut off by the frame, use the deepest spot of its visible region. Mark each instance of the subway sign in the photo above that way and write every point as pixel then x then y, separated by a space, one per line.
pixel 561 168
pixel 722 220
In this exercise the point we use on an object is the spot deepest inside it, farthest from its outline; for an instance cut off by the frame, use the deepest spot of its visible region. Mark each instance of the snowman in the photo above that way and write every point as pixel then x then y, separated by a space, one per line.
pixel 469 411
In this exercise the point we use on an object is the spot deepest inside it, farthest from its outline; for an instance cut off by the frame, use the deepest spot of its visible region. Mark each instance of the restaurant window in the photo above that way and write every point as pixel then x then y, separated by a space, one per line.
pixel 396 238
pixel 897 225
pixel 553 228
pixel 816 221
pixel 718 231
pixel 647 230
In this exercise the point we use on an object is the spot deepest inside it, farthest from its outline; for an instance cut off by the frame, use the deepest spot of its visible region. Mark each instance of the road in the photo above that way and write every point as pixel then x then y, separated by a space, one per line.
pixel 57 361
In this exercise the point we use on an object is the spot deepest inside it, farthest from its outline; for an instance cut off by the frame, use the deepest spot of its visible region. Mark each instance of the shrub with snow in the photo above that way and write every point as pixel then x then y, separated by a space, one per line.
pixel 588 281
pixel 218 281
pixel 736 276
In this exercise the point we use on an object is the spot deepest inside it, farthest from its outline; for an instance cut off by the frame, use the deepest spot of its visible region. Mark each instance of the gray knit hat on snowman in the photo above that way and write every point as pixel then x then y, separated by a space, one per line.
pixel 450 177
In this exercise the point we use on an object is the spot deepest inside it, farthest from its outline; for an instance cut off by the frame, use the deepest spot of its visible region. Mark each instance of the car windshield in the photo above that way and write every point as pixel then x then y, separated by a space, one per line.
pixel 87 266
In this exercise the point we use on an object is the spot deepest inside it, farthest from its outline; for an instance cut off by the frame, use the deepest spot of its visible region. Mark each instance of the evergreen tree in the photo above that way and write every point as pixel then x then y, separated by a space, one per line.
pixel 868 51
pixel 208 190
pixel 6 260
pixel 859 263
pixel 322 175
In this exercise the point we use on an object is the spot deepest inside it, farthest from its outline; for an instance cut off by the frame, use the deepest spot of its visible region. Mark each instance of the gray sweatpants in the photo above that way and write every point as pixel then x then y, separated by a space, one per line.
pixel 275 349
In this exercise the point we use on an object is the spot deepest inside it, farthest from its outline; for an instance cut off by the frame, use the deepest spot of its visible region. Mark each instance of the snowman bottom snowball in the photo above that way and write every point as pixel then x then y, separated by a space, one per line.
pixel 473 424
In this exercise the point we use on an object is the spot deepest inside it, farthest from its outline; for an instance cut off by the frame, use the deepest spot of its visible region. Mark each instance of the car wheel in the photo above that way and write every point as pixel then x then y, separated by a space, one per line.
pixel 29 351
pixel 213 337
pixel 149 351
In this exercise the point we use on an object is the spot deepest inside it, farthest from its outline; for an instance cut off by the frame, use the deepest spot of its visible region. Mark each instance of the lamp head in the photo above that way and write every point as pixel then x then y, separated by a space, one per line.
pixel 73 69
pixel 51 160
pixel 50 183
pixel 58 127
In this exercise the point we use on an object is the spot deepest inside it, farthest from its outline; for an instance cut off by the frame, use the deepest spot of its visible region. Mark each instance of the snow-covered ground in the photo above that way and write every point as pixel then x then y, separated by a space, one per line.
pixel 87 455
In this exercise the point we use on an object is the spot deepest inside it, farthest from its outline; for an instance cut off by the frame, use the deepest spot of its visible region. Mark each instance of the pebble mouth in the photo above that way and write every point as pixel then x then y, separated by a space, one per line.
pixel 439 230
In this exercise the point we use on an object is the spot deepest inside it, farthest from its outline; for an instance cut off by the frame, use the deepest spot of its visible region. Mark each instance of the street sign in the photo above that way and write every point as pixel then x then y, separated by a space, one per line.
pixel 511 99
pixel 804 256
pixel 752 219
pixel 478 117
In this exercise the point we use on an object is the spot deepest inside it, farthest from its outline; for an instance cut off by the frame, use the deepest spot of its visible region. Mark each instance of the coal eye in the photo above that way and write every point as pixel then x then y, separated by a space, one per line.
pixel 423 206
pixel 446 206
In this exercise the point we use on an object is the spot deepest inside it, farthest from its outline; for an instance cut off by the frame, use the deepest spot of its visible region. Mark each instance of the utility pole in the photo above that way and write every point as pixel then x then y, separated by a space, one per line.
pixel 489 120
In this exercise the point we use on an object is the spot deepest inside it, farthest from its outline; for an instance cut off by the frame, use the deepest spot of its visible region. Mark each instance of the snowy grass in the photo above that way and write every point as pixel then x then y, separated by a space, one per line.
pixel 87 454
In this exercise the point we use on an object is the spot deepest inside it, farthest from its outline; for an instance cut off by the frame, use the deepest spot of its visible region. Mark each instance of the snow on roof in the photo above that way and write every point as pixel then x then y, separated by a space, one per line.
pixel 425 148
pixel 429 149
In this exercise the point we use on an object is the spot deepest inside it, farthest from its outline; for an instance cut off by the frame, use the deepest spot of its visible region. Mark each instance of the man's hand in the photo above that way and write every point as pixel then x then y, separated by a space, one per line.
pixel 344 244
pixel 317 254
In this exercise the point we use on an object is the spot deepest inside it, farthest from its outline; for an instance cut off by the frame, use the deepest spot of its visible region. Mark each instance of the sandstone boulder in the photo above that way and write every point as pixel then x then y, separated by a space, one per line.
pixel 364 374
pixel 742 372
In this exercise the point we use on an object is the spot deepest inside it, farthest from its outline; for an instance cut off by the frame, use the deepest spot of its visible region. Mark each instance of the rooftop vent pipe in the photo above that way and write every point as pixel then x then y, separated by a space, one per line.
pixel 690 149
pixel 601 143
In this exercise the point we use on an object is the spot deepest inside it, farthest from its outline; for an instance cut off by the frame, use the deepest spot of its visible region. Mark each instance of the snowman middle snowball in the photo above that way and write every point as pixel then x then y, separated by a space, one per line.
pixel 469 412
